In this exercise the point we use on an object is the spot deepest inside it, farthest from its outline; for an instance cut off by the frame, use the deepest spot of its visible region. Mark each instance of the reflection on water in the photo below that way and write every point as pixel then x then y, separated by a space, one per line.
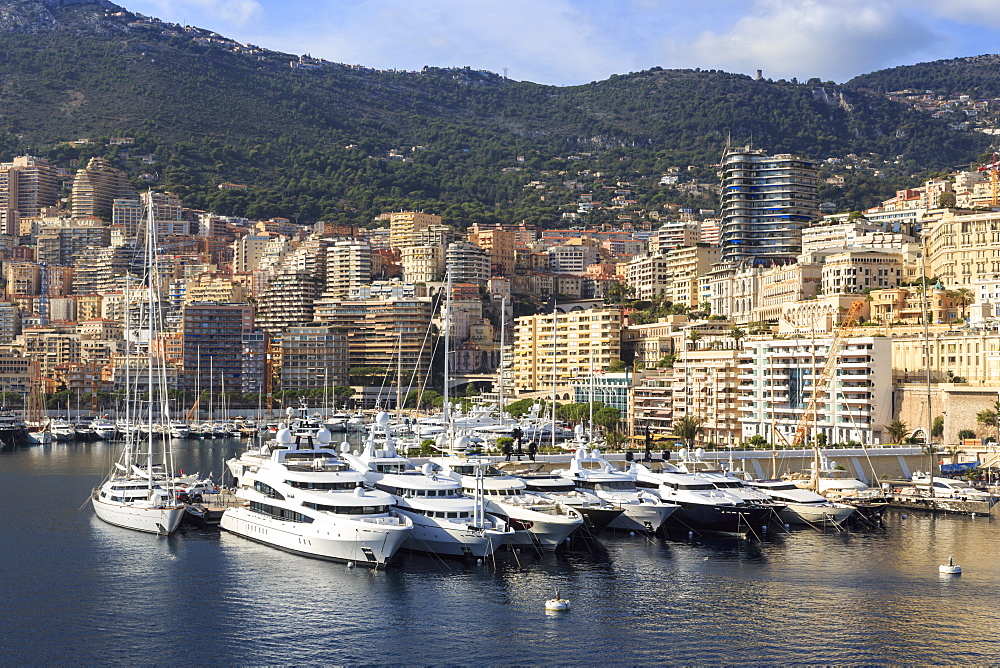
pixel 79 591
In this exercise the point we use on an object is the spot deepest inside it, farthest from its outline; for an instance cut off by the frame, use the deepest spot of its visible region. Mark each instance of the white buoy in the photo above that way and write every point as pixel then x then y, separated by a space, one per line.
pixel 951 568
pixel 557 603
pixel 763 529
pixel 479 561
pixel 631 534
pixel 350 564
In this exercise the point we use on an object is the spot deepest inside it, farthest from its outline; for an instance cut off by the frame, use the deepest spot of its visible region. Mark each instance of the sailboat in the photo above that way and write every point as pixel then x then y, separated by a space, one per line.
pixel 139 490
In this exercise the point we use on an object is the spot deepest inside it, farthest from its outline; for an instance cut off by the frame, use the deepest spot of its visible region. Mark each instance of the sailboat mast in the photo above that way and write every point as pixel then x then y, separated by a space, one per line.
pixel 553 425
pixel 150 376
pixel 503 322
pixel 927 358
pixel 446 412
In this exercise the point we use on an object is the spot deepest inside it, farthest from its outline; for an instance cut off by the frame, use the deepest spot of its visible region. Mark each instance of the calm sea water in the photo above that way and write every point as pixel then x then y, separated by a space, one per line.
pixel 77 591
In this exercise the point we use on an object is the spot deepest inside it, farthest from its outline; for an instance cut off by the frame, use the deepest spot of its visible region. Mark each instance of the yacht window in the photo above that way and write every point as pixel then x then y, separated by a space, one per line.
pixel 623 485
pixel 276 512
pixel 695 486
pixel 323 486
pixel 267 490
pixel 728 485
pixel 452 516
pixel 348 510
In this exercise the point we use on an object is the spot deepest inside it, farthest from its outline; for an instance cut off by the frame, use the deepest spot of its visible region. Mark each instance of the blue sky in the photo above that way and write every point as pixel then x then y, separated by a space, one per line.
pixel 566 42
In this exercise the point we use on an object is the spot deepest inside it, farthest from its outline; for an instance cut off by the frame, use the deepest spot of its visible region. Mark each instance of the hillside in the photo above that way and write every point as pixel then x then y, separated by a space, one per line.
pixel 320 140
pixel 976 75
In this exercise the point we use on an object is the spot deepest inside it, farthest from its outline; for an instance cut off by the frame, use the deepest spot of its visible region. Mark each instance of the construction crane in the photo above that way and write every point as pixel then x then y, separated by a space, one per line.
pixel 993 170
pixel 820 383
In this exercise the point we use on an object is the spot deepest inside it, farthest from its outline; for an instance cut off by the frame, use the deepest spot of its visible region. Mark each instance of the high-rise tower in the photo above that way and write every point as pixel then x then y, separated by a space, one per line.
pixel 766 201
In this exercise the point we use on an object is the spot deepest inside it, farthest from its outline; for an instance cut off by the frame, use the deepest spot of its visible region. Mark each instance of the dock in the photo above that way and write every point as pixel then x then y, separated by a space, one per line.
pixel 208 513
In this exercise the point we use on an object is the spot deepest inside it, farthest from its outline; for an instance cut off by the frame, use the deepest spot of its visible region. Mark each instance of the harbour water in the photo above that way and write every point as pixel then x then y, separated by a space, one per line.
pixel 78 591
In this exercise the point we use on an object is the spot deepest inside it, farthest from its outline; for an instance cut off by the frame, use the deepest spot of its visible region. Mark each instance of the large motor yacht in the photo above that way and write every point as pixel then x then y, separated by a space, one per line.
pixel 445 521
pixel 803 506
pixel 596 512
pixel 701 505
pixel 641 511
pixel 300 497
pixel 536 519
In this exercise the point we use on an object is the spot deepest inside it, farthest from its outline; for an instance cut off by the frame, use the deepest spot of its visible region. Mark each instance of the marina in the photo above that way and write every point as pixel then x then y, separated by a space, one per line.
pixel 858 596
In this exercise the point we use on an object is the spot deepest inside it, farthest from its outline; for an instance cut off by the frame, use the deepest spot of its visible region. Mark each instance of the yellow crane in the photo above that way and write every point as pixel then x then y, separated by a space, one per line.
pixel 820 383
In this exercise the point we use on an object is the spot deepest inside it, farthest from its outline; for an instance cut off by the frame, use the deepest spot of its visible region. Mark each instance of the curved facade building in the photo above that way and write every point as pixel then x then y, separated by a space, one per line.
pixel 766 201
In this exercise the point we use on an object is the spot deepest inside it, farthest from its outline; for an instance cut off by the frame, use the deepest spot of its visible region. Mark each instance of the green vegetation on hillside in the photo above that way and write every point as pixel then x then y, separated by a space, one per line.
pixel 345 144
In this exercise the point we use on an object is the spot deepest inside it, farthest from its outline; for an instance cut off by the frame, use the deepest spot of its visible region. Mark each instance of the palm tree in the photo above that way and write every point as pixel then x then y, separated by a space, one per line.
pixel 687 428
pixel 897 431
pixel 738 334
pixel 953 451
pixel 694 337
pixel 962 298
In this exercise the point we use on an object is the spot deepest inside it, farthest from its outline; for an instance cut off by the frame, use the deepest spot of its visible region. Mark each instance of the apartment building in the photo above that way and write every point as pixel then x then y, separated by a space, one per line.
pixel 349 266
pixel 213 344
pixel 499 246
pixel 27 185
pixel 857 271
pixel 314 357
pixel 62 244
pixel 766 201
pixel 964 248
pixel 16 372
pixel 468 263
pixel 423 264
pixel 96 187
pixel 556 347
pixel 404 225
pixel 777 377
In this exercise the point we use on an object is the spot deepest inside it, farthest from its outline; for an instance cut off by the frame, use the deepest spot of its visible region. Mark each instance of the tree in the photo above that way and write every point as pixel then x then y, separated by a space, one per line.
pixel 617 366
pixel 687 428
pixel 962 298
pixel 897 431
pixel 946 200
pixel 608 418
pixel 738 334
pixel 965 433
pixel 988 418
pixel 937 429
pixel 755 441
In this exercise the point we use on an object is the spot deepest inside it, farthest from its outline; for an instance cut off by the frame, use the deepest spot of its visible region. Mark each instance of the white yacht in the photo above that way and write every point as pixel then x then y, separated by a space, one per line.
pixel 445 521
pixel 138 492
pixel 950 488
pixel 641 510
pixel 138 502
pixel 302 498
pixel 536 519
pixel 62 430
pixel 596 512
pixel 803 506
pixel 104 428
pixel 701 505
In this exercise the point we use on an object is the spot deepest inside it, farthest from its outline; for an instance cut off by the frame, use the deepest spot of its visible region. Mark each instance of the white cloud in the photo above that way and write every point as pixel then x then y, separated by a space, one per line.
pixel 551 42
pixel 830 39
pixel 968 12
pixel 234 12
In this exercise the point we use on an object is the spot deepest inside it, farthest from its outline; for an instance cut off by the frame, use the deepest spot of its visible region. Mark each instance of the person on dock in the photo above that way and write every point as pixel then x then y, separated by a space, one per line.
pixel 532 450
pixel 507 450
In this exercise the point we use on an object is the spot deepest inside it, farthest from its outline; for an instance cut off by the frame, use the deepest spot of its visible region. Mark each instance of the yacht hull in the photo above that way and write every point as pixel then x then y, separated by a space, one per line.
pixel 642 517
pixel 548 531
pixel 363 543
pixel 718 518
pixel 151 520
pixel 452 541
pixel 596 520
pixel 815 514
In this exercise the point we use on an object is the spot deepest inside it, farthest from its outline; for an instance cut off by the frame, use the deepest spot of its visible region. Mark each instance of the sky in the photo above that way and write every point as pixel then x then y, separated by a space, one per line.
pixel 569 42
